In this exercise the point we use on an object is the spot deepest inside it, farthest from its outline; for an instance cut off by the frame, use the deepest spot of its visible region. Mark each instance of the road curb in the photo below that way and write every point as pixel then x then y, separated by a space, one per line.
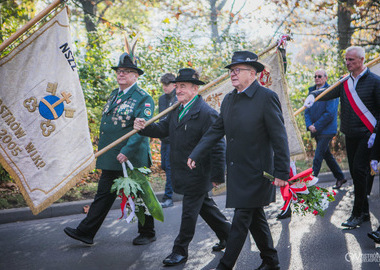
pixel 59 209
pixel 76 207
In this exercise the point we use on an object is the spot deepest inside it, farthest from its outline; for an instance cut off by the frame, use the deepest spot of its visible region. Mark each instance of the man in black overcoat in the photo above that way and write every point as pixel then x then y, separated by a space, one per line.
pixel 185 126
pixel 252 121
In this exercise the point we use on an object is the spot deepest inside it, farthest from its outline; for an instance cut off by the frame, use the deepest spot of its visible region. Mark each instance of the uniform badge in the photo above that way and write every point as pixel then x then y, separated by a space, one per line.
pixel 147 112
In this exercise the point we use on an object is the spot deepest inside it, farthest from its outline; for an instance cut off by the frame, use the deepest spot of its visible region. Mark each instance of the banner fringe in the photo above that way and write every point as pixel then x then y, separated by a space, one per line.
pixel 63 190
pixel 52 199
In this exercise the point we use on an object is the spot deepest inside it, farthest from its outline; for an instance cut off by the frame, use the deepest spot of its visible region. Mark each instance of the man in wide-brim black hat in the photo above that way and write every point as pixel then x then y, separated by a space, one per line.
pixel 124 104
pixel 185 126
pixel 248 58
pixel 125 61
pixel 251 119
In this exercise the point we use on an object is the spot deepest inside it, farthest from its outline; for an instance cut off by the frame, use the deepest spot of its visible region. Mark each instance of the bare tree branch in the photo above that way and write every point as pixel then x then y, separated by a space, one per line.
pixel 283 21
pixel 221 5
pixel 231 19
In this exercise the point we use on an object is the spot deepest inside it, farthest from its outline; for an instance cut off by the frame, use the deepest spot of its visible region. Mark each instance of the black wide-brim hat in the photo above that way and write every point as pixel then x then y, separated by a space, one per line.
pixel 248 58
pixel 125 61
pixel 187 75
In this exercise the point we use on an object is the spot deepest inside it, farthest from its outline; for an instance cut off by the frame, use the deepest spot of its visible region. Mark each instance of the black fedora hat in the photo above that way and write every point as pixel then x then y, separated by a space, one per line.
pixel 188 75
pixel 248 58
pixel 125 61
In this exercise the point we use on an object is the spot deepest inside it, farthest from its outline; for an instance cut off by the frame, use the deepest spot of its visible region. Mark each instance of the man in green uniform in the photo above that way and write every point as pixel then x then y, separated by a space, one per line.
pixel 124 105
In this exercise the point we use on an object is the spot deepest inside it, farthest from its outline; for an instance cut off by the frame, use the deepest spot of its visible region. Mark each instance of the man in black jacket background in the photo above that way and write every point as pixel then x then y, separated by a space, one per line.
pixel 165 101
pixel 185 126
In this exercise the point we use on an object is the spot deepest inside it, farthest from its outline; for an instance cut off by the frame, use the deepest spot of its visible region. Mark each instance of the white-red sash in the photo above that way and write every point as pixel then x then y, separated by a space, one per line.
pixel 358 106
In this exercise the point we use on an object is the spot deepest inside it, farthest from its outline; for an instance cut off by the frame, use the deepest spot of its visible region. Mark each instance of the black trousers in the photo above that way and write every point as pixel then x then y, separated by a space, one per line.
pixel 358 155
pixel 203 205
pixel 102 204
pixel 254 220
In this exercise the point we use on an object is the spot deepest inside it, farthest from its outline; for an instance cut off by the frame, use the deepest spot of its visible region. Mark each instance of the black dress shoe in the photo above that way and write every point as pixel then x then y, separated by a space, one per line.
pixel 375 236
pixel 353 222
pixel 265 266
pixel 285 214
pixel 220 246
pixel 366 217
pixel 77 235
pixel 174 259
pixel 143 240
pixel 339 183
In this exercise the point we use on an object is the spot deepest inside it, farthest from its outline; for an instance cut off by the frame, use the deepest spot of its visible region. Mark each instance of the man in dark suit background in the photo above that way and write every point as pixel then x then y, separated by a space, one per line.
pixel 124 104
pixel 251 118
pixel 185 127
pixel 165 101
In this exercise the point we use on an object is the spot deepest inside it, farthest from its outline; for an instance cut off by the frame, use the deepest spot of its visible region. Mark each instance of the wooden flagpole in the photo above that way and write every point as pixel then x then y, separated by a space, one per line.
pixel 369 64
pixel 134 131
pixel 173 107
pixel 28 25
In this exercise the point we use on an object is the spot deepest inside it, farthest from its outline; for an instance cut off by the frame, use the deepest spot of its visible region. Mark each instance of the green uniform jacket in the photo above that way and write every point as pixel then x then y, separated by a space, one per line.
pixel 117 120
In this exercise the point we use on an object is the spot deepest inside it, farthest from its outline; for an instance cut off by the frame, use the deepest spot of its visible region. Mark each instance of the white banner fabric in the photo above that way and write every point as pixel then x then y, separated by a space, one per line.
pixel 272 77
pixel 45 143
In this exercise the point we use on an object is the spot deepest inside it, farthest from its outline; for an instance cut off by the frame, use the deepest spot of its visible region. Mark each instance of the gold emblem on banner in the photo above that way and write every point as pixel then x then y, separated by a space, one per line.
pixel 51 107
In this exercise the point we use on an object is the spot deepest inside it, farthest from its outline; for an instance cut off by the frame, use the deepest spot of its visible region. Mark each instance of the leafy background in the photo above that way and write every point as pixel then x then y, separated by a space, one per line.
pixel 202 35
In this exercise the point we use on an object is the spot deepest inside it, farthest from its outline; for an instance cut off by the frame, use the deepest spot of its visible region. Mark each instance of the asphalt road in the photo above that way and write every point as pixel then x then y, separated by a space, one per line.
pixel 303 242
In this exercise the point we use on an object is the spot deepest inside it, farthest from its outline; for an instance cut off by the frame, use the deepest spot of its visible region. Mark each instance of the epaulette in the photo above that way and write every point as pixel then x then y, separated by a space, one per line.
pixel 141 91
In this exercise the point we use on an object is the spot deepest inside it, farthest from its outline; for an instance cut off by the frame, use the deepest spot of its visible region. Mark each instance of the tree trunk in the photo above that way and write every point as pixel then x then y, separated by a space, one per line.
pixel 89 8
pixel 345 30
pixel 214 23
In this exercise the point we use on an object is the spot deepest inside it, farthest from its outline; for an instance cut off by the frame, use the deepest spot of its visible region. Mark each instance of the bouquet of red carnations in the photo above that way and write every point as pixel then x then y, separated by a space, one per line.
pixel 305 195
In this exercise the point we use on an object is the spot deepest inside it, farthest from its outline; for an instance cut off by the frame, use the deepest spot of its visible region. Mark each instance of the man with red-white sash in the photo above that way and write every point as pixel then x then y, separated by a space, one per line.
pixel 360 105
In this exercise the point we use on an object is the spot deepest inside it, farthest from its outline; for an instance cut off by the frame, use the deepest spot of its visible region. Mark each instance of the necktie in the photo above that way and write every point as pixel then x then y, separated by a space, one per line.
pixel 118 96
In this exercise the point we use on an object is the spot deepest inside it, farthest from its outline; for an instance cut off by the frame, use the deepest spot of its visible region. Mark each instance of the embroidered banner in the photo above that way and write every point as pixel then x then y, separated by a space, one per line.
pixel 272 77
pixel 45 143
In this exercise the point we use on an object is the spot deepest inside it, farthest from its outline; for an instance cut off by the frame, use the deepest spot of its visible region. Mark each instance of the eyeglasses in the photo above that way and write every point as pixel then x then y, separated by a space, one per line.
pixel 123 71
pixel 236 71
pixel 318 76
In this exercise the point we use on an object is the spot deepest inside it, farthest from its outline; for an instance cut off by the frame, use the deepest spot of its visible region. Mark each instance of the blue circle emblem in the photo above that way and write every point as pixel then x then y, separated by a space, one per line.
pixel 46 109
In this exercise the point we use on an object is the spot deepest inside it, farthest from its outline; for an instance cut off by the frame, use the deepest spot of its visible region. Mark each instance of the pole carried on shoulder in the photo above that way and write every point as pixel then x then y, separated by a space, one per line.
pixel 368 65
pixel 28 25
pixel 134 131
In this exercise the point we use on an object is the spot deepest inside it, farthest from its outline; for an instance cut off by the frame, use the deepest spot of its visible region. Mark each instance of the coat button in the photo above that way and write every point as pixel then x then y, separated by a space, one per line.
pixel 232 139
pixel 231 163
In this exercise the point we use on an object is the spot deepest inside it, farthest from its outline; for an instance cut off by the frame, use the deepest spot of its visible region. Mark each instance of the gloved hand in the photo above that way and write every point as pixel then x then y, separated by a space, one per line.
pixel 371 140
pixel 374 166
pixel 309 101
